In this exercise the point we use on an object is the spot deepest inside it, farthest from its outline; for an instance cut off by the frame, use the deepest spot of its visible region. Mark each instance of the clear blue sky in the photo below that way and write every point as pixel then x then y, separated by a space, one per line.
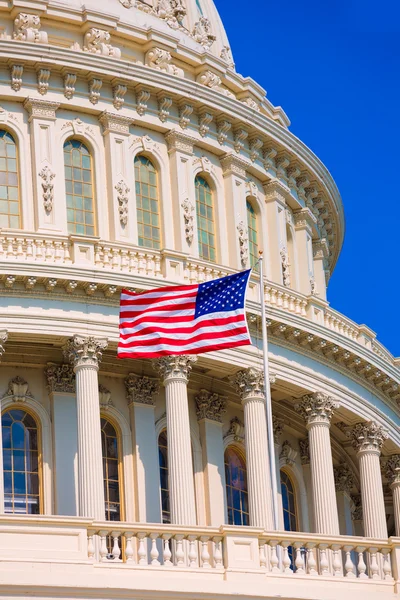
pixel 335 69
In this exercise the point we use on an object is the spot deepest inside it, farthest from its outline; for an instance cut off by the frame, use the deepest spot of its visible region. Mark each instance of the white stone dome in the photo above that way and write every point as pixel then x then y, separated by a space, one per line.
pixel 194 23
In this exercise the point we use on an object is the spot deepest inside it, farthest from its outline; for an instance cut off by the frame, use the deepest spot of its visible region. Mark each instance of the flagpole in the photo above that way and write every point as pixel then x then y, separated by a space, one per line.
pixel 268 402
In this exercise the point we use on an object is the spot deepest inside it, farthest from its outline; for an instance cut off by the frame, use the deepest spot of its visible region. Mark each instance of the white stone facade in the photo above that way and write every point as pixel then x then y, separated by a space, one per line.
pixel 131 81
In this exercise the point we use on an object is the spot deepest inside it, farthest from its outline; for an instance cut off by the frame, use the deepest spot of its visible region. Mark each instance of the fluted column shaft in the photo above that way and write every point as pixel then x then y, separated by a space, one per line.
pixel 250 385
pixel 85 354
pixel 368 439
pixel 392 469
pixel 396 505
pixel 174 371
pixel 317 410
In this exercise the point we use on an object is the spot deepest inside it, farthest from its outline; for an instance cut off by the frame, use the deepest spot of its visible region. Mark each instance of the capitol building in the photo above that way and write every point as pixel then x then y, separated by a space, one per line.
pixel 133 155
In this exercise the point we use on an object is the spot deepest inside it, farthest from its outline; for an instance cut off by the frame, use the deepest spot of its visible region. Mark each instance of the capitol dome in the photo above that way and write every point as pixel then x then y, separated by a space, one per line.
pixel 134 156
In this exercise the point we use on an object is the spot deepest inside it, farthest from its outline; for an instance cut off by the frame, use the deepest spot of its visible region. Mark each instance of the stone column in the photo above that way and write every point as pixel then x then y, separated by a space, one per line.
pixel 249 383
pixel 317 410
pixel 368 439
pixel 85 354
pixel 3 339
pixel 209 409
pixel 140 395
pixel 344 482
pixel 392 472
pixel 175 371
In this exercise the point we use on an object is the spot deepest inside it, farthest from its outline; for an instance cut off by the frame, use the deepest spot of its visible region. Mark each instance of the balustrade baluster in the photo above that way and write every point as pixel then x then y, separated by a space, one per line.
pixel 106 257
pixel 154 553
pixel 179 553
pixel 1 246
pixel 311 562
pixel 286 562
pixel 205 555
pixel 133 262
pixel 192 551
pixel 90 545
pixel 218 558
pixel 116 551
pixel 67 255
pixel 263 555
pixel 373 564
pixel 323 560
pixel 157 266
pixel 361 567
pixel 97 253
pixel 167 554
pixel 20 251
pixel 10 247
pixel 103 546
pixel 129 554
pixel 142 551
pixel 274 560
pixel 337 560
pixel 387 567
pixel 29 249
pixel 115 258
pixel 299 562
pixel 349 565
pixel 124 260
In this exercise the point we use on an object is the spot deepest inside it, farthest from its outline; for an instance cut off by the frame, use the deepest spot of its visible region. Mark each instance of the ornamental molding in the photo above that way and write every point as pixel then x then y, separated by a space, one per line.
pixel 202 33
pixel 174 368
pixel 122 198
pixel 251 188
pixel 119 91
pixel 104 398
pixel 223 128
pixel 320 249
pixel 344 478
pixel 85 351
pixel 96 41
pixel 226 56
pixel 391 469
pixel 145 142
pixel 69 85
pixel 317 408
pixel 205 118
pixel 210 406
pixel 43 76
pixel 78 127
pixel 277 426
pixel 213 81
pixel 160 59
pixel 251 103
pixel 3 339
pixel 18 390
pixel 240 135
pixel 304 446
pixel 249 384
pixel 185 112
pixel 304 219
pixel 47 176
pixel 171 11
pixel 204 163
pixel 6 116
pixel 60 378
pixel 164 104
pixel 26 29
pixel 255 145
pixel 141 390
pixel 275 191
pixel 188 218
pixel 95 86
pixel 41 109
pixel 179 141
pixel 233 165
pixel 16 72
pixel 243 243
pixel 115 123
pixel 367 437
pixel 142 97
pixel 288 454
pixel 236 430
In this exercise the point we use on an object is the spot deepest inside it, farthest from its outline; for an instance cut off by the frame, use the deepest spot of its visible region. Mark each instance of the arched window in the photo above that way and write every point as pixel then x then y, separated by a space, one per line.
pixel 21 463
pixel 252 233
pixel 288 502
pixel 79 188
pixel 9 188
pixel 147 203
pixel 236 487
pixel 111 471
pixel 164 483
pixel 205 219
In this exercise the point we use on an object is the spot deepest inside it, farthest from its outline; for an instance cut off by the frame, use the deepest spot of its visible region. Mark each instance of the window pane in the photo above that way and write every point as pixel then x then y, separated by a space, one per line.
pixel 80 213
pixel 236 487
pixel 147 204
pixel 9 186
pixel 164 483
pixel 205 219
pixel 110 448
pixel 252 234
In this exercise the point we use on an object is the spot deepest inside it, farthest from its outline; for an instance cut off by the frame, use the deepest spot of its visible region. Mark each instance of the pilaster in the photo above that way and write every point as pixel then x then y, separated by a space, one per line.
pixel 275 201
pixel 303 221
pixel 320 251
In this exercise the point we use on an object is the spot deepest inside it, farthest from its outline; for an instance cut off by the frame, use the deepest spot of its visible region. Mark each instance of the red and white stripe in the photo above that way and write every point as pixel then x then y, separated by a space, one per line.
pixel 161 322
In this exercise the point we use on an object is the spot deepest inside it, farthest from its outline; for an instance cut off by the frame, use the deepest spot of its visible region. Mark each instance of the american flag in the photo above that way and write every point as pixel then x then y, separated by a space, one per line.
pixel 186 319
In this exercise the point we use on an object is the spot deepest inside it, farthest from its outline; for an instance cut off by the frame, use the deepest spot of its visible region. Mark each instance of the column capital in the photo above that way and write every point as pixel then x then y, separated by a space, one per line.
pixel 41 109
pixel 233 165
pixel 60 378
pixel 177 141
pixel 344 479
pixel 174 367
pixel 277 425
pixel 140 390
pixel 210 406
pixel 249 383
pixel 3 339
pixel 85 351
pixel 392 469
pixel 316 408
pixel 115 123
pixel 367 437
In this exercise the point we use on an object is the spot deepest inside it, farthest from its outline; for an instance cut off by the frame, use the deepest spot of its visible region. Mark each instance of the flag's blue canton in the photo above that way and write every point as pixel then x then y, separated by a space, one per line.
pixel 221 295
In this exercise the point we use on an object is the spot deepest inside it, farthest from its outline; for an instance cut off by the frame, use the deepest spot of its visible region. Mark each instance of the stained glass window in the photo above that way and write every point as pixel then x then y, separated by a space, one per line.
pixel 147 203
pixel 79 188
pixel 236 488
pixel 205 219
pixel 164 483
pixel 9 184
pixel 21 460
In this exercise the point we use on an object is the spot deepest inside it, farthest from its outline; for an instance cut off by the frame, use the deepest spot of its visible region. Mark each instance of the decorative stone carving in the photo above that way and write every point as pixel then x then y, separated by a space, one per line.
pixel 142 97
pixel 239 136
pixel 85 351
pixel 172 11
pixel 115 123
pixel 392 469
pixel 128 3
pixel 226 56
pixel 3 339
pixel 47 177
pixel 177 140
pixel 160 59
pixel 185 111
pixel 104 397
pixel 304 446
pixel 188 217
pixel 316 408
pixel 16 72
pixel 42 109
pixel 277 426
pixel 223 127
pixel 251 103
pixel 285 266
pixel 236 429
pixel 9 281
pixel 205 119
pixel 255 144
pixel 243 243
pixel 288 453
pixel 96 41
pixel 174 367
pixel 213 81
pixel 119 92
pixel 26 29
pixel 122 198
pixel 251 188
pixel 95 86
pixel 356 509
pixel 164 104
pixel 78 127
pixel 232 164
pixel 18 390
pixel 202 33
pixel 60 378
pixel 367 437
pixel 140 389
pixel 344 479
pixel 43 76
pixel 210 406
pixel 69 85
pixel 269 159
pixel 249 383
